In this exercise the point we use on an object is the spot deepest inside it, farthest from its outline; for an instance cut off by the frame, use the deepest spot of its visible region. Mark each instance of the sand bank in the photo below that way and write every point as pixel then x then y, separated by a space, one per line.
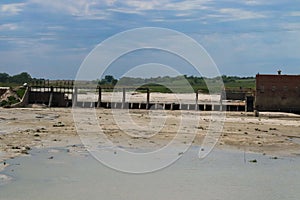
pixel 271 133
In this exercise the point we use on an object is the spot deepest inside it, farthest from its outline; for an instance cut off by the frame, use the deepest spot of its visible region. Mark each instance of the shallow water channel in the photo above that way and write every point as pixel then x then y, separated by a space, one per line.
pixel 224 174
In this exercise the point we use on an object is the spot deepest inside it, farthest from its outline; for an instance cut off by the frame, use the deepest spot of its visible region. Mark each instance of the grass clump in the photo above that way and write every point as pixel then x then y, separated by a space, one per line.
pixel 12 100
pixel 20 92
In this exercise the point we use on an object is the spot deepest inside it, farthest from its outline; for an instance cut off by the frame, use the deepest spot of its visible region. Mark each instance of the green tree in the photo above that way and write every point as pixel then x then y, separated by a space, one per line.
pixel 108 80
pixel 4 77
pixel 24 77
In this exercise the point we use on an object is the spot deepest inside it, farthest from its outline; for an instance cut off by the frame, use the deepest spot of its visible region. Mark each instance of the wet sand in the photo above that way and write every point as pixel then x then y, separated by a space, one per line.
pixel 42 157
pixel 24 128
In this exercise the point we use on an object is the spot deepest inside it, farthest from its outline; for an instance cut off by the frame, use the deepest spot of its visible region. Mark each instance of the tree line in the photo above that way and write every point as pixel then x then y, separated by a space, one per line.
pixel 156 83
pixel 160 84
pixel 18 79
pixel 21 78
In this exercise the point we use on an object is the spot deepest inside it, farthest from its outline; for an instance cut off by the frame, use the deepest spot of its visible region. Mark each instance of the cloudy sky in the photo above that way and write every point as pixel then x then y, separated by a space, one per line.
pixel 51 38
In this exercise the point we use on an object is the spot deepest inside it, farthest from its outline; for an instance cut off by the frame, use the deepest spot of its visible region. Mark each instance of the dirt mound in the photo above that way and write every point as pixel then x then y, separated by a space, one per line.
pixel 3 90
pixel 9 97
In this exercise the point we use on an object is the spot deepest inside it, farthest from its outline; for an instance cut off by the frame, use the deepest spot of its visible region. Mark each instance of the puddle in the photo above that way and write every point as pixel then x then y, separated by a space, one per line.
pixel 56 174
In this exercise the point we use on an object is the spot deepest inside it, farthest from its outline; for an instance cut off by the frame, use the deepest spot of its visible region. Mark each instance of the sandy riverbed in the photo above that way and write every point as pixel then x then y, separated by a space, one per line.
pixel 50 162
pixel 24 128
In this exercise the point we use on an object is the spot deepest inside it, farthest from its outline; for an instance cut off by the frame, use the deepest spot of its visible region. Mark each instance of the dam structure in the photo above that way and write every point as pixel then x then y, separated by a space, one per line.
pixel 127 98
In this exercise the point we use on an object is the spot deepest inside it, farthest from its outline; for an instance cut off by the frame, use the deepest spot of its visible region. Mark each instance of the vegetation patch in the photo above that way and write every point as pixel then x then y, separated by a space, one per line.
pixel 10 97
pixel 20 92
pixel 12 100
pixel 3 103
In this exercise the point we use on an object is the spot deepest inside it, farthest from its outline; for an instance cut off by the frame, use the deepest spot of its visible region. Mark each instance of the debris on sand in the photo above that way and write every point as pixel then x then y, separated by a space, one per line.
pixel 253 161
pixel 59 124
pixel 24 151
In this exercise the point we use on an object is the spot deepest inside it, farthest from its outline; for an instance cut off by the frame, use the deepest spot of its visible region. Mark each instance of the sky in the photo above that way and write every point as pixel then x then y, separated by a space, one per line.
pixel 51 38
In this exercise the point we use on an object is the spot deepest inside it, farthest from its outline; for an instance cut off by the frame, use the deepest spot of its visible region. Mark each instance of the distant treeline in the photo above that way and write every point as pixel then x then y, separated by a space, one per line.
pixel 157 84
pixel 24 77
pixel 165 83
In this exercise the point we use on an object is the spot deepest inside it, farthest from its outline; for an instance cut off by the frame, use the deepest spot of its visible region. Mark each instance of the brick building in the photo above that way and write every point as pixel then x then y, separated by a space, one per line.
pixel 278 93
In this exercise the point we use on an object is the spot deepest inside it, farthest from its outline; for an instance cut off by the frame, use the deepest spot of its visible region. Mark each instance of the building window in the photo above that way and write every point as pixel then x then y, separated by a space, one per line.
pixel 285 88
pixel 273 88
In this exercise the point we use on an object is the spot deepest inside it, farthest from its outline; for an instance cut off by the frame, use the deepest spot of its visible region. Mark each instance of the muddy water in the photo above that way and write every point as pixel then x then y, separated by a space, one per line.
pixel 223 175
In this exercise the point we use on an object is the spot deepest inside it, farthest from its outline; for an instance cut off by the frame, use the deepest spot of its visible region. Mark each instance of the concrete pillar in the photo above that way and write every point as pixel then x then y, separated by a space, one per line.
pixel 74 98
pixel 196 102
pixel 148 98
pixel 221 106
pixel 124 98
pixel 99 97
pixel 51 97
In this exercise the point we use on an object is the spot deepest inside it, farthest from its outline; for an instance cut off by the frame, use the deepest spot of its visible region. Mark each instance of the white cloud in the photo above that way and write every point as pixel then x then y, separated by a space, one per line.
pixel 254 2
pixel 110 2
pixel 164 5
pixel 189 10
pixel 143 5
pixel 56 28
pixel 169 10
pixel 8 27
pixel 290 26
pixel 103 8
pixel 126 11
pixel 229 14
pixel 79 8
pixel 294 14
pixel 71 7
pixel 188 5
pixel 12 9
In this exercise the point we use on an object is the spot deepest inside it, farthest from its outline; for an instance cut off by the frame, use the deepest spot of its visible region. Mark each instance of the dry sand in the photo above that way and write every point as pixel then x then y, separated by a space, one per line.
pixel 24 128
